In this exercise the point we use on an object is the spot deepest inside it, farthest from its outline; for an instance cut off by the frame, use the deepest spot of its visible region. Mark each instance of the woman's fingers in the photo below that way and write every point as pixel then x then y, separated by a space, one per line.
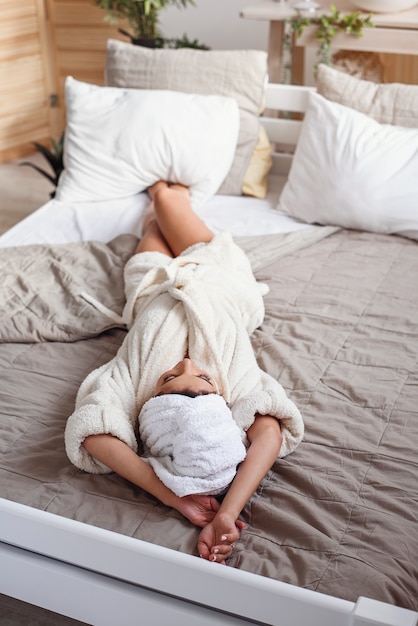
pixel 221 552
pixel 217 539
pixel 224 550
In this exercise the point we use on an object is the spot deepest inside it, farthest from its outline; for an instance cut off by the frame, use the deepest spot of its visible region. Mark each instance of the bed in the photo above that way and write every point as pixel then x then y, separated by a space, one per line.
pixel 331 533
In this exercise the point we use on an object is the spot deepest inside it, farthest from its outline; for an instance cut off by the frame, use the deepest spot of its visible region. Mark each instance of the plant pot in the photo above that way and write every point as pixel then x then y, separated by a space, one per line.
pixel 157 42
pixel 149 43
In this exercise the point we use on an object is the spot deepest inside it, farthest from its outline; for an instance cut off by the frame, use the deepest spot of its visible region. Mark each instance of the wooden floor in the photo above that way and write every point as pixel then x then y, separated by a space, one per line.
pixel 22 190
pixel 15 613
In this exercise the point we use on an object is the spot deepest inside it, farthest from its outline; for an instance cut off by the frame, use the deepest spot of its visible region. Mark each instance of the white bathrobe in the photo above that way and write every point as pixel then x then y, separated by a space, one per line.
pixel 205 302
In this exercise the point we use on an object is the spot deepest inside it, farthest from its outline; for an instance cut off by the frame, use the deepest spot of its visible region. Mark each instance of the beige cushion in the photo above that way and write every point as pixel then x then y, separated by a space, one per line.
pixel 239 73
pixel 255 179
pixel 390 103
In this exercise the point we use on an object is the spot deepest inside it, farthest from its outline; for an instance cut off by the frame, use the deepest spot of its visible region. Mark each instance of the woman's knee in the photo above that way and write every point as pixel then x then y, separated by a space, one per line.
pixel 164 199
pixel 170 199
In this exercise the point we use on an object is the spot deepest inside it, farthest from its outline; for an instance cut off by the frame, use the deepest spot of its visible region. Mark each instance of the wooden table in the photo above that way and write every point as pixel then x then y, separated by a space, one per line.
pixel 395 33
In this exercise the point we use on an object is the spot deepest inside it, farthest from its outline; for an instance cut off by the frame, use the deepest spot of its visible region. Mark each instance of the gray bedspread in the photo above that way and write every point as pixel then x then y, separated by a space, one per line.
pixel 337 516
pixel 43 289
pixel 50 292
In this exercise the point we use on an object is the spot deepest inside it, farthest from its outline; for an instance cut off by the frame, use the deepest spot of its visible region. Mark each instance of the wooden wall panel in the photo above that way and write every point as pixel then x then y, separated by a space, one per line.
pixel 24 77
pixel 400 68
pixel 78 35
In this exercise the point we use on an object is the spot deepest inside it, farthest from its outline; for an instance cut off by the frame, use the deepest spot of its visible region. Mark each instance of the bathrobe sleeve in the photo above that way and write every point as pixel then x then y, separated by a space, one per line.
pixel 105 404
pixel 268 397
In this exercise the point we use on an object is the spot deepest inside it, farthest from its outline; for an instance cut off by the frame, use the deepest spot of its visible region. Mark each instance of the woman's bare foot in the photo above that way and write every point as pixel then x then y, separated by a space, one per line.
pixel 156 187
pixel 180 189
pixel 162 184
pixel 153 190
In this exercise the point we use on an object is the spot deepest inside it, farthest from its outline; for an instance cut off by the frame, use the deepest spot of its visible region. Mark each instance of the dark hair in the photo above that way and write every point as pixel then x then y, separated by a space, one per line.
pixel 188 392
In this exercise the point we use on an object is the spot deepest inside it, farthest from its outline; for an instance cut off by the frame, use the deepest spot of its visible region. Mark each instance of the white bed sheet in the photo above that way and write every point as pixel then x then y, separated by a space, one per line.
pixel 58 222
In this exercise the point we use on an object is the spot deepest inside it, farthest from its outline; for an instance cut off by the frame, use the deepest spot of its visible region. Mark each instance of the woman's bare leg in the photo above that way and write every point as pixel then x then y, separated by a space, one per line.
pixel 152 238
pixel 153 241
pixel 178 223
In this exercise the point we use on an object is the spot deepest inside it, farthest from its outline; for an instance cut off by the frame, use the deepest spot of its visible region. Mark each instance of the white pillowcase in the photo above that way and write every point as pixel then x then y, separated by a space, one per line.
pixel 351 171
pixel 119 141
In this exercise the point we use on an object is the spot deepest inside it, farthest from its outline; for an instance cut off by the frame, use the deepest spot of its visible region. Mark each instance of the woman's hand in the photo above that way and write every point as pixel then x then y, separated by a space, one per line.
pixel 110 451
pixel 216 541
pixel 200 510
pixel 265 441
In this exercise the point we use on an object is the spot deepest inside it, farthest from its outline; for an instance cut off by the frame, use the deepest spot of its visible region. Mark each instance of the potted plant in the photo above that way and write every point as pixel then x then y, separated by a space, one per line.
pixel 328 25
pixel 142 18
pixel 54 157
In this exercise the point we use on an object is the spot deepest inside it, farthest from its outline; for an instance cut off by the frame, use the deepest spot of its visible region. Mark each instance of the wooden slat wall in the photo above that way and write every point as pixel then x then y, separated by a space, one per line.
pixel 24 78
pixel 78 36
pixel 400 68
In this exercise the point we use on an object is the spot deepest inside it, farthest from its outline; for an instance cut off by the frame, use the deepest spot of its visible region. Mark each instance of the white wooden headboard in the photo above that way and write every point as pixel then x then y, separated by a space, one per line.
pixel 283 131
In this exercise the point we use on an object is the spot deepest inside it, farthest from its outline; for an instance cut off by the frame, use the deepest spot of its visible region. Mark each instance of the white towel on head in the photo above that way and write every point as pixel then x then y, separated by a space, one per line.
pixel 193 444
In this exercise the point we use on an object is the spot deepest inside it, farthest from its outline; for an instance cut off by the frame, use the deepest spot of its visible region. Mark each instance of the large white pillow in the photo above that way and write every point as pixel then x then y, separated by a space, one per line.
pixel 240 74
pixel 351 171
pixel 120 141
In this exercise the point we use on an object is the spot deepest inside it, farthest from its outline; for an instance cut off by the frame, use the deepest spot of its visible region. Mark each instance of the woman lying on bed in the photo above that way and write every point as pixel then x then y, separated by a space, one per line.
pixel 192 303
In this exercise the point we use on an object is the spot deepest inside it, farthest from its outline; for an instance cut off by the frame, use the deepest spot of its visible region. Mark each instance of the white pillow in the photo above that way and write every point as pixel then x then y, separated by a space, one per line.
pixel 120 141
pixel 240 74
pixel 351 171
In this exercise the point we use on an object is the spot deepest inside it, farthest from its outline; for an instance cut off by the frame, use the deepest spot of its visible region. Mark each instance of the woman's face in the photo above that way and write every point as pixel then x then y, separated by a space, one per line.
pixel 185 376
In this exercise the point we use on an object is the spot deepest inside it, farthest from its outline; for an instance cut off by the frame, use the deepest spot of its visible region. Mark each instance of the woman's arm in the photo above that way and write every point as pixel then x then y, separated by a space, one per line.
pixel 119 457
pixel 265 439
pixel 220 522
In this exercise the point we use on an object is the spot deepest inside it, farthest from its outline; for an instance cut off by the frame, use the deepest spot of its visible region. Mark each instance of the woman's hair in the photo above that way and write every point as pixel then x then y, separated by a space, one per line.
pixel 187 392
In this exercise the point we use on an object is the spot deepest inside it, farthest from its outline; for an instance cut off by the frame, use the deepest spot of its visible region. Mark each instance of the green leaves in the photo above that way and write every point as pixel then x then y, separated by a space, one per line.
pixel 55 159
pixel 328 25
pixel 141 15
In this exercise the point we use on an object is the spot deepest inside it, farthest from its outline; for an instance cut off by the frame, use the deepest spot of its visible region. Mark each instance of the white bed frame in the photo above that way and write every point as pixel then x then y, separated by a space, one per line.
pixel 107 579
